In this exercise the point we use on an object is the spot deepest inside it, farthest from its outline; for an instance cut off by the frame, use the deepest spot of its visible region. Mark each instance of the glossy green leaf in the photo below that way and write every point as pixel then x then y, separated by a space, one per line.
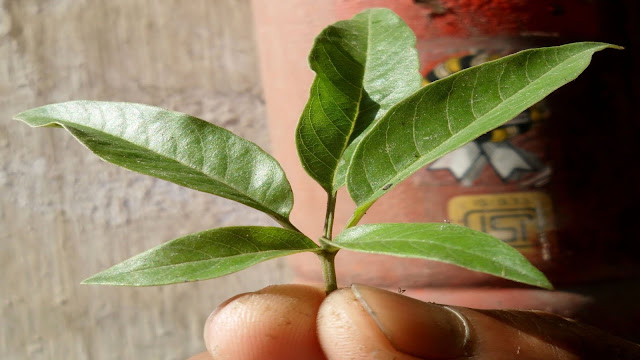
pixel 174 147
pixel 450 112
pixel 205 255
pixel 443 242
pixel 363 67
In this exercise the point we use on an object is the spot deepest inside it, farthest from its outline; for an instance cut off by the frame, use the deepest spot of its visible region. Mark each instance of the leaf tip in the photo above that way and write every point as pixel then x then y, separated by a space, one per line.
pixel 93 280
pixel 604 45
pixel 22 116
pixel 540 280
pixel 34 118
pixel 546 284
pixel 105 278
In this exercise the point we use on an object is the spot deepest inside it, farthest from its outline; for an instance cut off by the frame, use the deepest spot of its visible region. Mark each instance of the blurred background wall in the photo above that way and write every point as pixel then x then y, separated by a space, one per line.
pixel 65 214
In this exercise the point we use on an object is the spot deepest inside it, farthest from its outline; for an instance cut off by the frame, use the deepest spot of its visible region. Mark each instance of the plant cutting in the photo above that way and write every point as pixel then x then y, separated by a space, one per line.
pixel 368 125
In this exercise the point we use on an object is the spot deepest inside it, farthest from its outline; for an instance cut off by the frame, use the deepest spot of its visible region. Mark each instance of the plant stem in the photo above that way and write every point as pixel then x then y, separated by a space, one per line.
pixel 328 218
pixel 328 270
pixel 328 253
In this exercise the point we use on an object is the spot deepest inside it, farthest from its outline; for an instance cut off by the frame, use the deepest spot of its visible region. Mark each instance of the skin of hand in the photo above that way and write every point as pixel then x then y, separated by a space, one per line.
pixel 360 322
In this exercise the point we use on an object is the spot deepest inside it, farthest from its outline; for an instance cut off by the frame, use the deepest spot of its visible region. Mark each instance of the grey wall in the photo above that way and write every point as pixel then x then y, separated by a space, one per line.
pixel 65 214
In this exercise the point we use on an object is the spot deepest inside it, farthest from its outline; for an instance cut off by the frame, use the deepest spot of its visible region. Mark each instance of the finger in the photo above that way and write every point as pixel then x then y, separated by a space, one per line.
pixel 360 322
pixel 350 328
pixel 278 322
pixel 540 335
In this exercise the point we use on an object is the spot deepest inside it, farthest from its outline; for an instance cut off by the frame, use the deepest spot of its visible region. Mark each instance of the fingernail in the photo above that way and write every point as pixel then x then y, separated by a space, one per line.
pixel 420 329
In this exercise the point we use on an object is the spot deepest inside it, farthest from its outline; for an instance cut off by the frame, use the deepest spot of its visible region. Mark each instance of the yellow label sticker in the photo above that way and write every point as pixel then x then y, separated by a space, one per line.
pixel 519 219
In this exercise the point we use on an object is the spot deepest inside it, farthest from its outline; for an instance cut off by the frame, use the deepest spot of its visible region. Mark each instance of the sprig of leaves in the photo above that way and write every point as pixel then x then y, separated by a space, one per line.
pixel 367 124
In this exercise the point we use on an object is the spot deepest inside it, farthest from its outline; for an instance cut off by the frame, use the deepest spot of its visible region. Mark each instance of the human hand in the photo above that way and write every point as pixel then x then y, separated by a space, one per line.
pixel 361 322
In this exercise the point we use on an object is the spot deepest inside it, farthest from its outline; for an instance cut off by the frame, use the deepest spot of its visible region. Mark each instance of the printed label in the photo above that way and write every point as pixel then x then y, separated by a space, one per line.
pixel 521 220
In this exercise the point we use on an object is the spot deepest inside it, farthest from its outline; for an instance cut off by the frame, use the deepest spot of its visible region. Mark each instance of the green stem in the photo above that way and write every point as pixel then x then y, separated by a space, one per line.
pixel 328 218
pixel 328 270
pixel 328 253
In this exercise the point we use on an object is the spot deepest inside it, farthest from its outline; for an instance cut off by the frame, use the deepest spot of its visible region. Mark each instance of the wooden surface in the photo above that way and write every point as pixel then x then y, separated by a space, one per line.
pixel 65 214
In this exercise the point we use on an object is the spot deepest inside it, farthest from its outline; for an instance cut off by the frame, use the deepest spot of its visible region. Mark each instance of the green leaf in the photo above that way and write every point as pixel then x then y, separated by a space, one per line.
pixel 363 67
pixel 174 147
pixel 443 242
pixel 450 112
pixel 205 255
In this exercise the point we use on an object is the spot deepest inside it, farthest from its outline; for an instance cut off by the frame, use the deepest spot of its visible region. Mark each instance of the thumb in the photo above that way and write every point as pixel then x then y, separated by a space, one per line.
pixel 363 322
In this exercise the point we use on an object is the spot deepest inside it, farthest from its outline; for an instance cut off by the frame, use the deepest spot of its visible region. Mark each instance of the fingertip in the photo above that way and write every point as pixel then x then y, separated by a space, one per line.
pixel 347 331
pixel 276 322
pixel 417 328
pixel 366 321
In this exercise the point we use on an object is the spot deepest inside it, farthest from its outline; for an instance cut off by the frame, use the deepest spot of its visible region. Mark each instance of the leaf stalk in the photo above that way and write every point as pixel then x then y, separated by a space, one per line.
pixel 357 215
